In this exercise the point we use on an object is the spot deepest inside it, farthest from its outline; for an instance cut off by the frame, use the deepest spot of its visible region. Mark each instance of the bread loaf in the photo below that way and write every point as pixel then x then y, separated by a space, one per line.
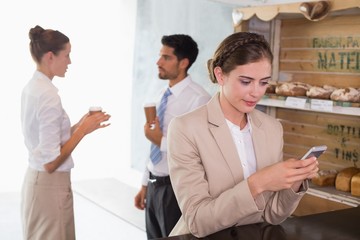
pixel 329 88
pixel 292 89
pixel 271 88
pixel 346 94
pixel 319 92
pixel 325 178
pixel 355 185
pixel 343 178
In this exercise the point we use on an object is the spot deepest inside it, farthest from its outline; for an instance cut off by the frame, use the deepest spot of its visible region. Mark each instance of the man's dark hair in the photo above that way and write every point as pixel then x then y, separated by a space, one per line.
pixel 184 47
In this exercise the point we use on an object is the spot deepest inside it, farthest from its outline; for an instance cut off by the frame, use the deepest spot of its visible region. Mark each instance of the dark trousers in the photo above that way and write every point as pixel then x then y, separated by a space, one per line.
pixel 162 210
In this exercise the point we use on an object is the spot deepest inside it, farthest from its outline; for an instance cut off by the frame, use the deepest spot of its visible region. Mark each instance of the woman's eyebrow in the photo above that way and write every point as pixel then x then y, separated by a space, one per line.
pixel 250 78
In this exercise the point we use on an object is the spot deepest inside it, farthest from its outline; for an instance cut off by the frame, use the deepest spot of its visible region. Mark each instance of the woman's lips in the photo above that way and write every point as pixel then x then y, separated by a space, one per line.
pixel 250 103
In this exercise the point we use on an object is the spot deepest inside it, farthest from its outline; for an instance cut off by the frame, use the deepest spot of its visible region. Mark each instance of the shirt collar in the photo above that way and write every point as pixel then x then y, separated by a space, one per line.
pixel 39 74
pixel 233 126
pixel 43 78
pixel 180 86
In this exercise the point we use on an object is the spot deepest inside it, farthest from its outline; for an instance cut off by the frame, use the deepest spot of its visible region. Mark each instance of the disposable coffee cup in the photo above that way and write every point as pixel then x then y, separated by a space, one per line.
pixel 95 109
pixel 150 112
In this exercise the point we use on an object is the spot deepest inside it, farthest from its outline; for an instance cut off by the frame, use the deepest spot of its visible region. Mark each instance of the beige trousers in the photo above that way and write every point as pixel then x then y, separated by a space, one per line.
pixel 47 206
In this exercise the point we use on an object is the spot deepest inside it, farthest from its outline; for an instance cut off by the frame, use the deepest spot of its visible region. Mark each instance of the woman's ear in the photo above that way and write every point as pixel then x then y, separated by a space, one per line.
pixel 219 75
pixel 48 56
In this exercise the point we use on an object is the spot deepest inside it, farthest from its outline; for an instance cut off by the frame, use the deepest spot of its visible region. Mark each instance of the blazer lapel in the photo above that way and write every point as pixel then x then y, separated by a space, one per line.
pixel 259 146
pixel 222 136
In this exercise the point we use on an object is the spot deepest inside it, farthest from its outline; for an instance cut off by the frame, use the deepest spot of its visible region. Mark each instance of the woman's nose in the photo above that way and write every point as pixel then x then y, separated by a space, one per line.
pixel 256 90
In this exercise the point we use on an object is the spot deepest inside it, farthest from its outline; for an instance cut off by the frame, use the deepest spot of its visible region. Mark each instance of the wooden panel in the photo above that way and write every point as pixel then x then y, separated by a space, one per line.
pixel 314 66
pixel 338 60
pixel 323 52
pixel 331 26
pixel 319 42
pixel 303 129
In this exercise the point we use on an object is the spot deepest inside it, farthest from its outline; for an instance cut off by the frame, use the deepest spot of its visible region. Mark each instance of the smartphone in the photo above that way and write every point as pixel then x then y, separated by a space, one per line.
pixel 315 151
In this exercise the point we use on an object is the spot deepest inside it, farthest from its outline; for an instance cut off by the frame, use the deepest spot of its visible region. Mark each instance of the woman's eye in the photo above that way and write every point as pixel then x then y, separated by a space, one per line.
pixel 264 83
pixel 245 82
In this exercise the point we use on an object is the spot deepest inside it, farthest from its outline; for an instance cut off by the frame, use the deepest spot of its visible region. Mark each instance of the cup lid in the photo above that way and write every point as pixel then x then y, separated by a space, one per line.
pixel 150 104
pixel 95 108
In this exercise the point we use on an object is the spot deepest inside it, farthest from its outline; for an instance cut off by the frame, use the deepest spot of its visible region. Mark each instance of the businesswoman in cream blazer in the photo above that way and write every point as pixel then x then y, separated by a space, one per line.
pixel 225 158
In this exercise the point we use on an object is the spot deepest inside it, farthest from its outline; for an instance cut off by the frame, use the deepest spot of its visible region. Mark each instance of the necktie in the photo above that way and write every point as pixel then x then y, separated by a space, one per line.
pixel 155 153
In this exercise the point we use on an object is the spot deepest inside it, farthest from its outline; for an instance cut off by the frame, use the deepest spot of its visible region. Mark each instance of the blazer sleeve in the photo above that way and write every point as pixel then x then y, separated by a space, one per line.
pixel 280 204
pixel 276 206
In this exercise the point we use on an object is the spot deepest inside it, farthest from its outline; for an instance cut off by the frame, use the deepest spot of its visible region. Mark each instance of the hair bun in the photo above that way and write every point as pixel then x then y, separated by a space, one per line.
pixel 35 33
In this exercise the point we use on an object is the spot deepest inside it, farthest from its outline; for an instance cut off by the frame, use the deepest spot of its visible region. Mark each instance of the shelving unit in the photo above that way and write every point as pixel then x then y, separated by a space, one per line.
pixel 353 111
pixel 332 194
pixel 311 52
pixel 325 198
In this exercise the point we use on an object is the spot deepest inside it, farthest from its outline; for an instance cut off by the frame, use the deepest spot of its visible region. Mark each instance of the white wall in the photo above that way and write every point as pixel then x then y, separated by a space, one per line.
pixel 102 37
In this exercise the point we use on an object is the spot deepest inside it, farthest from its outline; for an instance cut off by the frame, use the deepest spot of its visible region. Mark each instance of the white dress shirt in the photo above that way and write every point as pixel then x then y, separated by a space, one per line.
pixel 243 142
pixel 45 124
pixel 186 96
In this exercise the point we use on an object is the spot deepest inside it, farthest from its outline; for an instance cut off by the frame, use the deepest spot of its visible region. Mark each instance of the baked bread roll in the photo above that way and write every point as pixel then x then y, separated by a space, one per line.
pixel 271 88
pixel 343 178
pixel 293 89
pixel 346 95
pixel 355 185
pixel 325 178
pixel 330 88
pixel 320 92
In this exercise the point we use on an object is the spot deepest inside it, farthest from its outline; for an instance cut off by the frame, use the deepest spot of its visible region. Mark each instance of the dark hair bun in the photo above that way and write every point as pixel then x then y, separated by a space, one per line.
pixel 35 33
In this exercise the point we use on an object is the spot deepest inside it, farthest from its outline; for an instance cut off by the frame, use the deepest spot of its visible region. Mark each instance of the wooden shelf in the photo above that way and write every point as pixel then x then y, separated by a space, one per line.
pixel 353 111
pixel 330 193
pixel 324 199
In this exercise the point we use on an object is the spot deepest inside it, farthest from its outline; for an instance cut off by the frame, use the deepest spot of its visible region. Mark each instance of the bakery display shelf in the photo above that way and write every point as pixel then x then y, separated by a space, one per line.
pixel 330 193
pixel 280 102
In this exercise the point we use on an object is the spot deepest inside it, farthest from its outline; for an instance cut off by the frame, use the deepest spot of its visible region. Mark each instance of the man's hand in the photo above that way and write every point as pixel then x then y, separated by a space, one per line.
pixel 140 198
pixel 153 132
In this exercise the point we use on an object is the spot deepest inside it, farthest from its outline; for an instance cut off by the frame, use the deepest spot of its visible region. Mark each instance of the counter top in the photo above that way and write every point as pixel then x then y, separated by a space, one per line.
pixel 335 225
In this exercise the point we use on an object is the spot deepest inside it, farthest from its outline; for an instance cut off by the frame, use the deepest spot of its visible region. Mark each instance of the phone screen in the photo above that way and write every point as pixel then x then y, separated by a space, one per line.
pixel 315 151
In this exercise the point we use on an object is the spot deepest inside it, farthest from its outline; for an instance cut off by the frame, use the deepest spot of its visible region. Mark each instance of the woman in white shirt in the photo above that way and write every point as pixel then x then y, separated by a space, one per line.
pixel 47 201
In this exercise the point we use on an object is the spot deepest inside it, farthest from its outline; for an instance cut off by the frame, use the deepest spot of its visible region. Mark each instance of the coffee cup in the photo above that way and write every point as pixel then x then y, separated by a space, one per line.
pixel 150 112
pixel 95 109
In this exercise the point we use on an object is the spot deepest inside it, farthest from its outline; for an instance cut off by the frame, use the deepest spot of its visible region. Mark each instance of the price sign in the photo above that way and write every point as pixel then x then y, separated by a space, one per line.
pixel 295 102
pixel 321 105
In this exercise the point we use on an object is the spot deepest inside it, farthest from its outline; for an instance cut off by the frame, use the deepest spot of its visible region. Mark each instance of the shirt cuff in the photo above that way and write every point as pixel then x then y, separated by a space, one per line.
pixel 145 178
pixel 304 186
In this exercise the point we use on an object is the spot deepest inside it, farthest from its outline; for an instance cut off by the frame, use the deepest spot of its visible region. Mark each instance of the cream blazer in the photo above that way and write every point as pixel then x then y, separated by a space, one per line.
pixel 207 176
